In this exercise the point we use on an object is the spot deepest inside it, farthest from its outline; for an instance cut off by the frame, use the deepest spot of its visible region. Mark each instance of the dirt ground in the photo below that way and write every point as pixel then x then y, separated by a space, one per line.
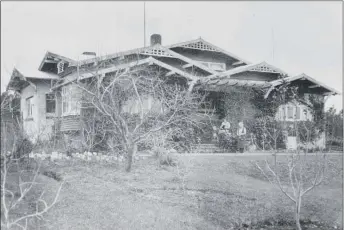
pixel 202 192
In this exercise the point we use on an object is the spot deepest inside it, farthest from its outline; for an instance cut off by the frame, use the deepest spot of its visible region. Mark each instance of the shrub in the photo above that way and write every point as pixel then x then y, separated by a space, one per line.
pixel 266 131
pixel 227 142
pixel 164 157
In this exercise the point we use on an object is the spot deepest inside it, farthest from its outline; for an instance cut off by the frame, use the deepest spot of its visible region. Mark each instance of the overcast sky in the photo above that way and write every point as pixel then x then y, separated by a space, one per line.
pixel 305 36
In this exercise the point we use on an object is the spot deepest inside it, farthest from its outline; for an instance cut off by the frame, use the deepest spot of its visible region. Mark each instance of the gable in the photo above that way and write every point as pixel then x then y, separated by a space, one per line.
pixel 200 45
pixel 202 50
pixel 262 68
pixel 308 84
pixel 54 63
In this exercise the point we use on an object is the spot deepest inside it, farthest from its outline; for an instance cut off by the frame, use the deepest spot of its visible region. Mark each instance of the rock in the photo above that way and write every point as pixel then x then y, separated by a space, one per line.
pixel 268 205
pixel 314 219
pixel 172 150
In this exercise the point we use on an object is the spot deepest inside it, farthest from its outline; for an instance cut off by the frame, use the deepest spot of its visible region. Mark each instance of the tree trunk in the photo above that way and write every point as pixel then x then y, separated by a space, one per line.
pixel 131 152
pixel 297 213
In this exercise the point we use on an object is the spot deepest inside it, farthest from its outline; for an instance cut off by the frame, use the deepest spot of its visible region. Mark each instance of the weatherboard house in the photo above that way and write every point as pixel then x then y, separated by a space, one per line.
pixel 48 96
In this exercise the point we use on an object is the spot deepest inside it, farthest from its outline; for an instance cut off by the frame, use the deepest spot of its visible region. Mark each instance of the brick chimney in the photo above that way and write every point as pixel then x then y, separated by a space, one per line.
pixel 155 39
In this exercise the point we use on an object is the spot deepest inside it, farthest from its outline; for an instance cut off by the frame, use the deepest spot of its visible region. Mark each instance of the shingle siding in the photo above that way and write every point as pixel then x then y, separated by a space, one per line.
pixel 70 123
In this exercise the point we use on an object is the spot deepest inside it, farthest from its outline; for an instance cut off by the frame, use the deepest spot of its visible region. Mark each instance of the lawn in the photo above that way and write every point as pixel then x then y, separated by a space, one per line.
pixel 203 192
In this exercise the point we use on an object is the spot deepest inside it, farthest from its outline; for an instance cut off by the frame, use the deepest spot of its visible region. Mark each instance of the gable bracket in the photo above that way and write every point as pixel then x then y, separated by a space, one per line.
pixel 187 66
pixel 170 73
pixel 314 86
pixel 33 85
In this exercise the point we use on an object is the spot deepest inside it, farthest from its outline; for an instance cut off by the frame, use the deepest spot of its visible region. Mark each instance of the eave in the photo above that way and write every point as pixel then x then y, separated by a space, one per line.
pixel 56 58
pixel 147 61
pixel 18 80
pixel 224 84
pixel 304 77
pixel 153 51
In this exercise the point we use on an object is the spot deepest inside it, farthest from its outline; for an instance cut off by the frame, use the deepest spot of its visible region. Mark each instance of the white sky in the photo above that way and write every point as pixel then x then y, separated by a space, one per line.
pixel 307 35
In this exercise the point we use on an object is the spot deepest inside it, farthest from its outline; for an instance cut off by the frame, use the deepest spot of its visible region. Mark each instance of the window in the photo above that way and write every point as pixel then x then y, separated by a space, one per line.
pixel 70 100
pixel 29 107
pixel 298 112
pixel 305 112
pixel 149 105
pixel 283 113
pixel 50 103
pixel 290 112
pixel 215 66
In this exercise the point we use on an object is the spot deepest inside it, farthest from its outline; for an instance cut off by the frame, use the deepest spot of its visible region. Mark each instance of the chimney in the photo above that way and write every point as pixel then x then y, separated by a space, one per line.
pixel 155 39
pixel 87 55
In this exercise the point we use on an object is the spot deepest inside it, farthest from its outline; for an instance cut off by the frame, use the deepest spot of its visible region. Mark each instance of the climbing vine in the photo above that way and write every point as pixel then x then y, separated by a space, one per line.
pixel 258 113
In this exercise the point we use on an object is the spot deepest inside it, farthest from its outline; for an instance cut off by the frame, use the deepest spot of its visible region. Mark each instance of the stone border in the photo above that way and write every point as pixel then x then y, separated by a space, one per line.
pixel 86 156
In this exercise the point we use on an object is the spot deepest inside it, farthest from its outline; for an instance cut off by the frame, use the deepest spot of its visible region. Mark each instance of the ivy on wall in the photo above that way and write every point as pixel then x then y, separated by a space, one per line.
pixel 258 113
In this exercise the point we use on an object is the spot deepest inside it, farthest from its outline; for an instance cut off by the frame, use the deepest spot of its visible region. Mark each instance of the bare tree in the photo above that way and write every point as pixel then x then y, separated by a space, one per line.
pixel 301 179
pixel 133 104
pixel 18 182
pixel 303 172
pixel 12 200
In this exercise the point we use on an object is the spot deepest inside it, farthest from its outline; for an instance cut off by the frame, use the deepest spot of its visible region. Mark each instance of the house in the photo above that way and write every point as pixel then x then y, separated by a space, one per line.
pixel 50 102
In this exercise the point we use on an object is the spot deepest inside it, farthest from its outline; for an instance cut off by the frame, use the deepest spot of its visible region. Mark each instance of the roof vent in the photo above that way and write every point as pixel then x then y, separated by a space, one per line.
pixel 155 39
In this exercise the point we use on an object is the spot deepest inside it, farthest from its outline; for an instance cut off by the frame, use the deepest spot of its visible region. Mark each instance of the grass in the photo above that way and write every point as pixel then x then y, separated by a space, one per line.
pixel 203 192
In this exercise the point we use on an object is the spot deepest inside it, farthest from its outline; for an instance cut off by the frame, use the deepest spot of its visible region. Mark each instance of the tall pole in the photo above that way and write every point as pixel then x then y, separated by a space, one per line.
pixel 273 45
pixel 144 24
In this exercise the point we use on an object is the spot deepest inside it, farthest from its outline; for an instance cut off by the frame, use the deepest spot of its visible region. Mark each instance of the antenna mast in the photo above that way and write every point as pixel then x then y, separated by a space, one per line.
pixel 273 45
pixel 144 24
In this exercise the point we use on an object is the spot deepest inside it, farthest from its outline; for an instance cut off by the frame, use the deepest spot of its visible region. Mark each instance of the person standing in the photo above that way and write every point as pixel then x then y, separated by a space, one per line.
pixel 241 133
pixel 225 126
pixel 225 135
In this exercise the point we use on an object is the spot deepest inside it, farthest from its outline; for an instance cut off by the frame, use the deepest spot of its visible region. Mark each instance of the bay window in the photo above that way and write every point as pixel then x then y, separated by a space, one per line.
pixel 70 100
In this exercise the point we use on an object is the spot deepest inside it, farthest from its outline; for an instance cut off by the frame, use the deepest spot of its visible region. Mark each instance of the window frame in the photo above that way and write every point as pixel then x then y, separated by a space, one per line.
pixel 29 107
pixel 297 112
pixel 46 103
pixel 70 99
pixel 290 115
